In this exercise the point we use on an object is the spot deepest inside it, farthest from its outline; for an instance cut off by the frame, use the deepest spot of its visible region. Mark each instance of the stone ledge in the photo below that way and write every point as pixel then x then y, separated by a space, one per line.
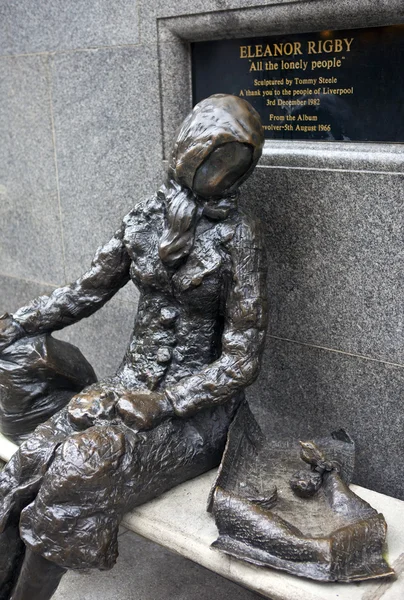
pixel 7 448
pixel 178 521
pixel 367 157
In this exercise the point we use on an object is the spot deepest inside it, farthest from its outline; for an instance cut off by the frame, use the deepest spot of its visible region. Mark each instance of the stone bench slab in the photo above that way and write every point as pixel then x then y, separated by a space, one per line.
pixel 178 521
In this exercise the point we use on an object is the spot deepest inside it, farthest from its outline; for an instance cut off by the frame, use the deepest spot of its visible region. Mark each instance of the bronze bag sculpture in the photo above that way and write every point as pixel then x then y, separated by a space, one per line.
pixel 197 340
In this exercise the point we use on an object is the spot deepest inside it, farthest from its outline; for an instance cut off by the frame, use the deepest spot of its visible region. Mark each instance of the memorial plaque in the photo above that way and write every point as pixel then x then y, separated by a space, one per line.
pixel 330 85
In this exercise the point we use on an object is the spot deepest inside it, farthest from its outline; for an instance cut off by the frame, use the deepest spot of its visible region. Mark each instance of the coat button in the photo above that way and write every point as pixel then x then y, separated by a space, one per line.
pixel 168 316
pixel 163 355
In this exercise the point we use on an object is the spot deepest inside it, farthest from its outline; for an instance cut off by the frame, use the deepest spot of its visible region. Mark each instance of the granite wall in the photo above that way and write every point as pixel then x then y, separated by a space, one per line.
pixel 90 94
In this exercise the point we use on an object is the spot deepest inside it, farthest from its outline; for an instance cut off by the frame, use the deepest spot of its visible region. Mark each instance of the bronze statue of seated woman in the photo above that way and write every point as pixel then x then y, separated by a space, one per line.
pixel 197 340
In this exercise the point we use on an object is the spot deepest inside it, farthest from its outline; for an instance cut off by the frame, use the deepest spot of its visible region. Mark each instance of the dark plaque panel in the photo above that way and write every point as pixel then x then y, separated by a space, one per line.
pixel 330 85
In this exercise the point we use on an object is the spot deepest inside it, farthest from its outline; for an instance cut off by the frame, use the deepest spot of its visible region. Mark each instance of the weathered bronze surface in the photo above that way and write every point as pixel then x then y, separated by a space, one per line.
pixel 38 376
pixel 163 417
pixel 271 512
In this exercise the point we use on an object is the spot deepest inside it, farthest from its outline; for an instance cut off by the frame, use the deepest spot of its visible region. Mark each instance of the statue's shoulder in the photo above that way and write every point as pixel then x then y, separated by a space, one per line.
pixel 248 231
pixel 144 210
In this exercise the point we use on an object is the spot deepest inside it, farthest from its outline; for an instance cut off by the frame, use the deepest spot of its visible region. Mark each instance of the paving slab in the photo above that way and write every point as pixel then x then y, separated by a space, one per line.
pixel 147 571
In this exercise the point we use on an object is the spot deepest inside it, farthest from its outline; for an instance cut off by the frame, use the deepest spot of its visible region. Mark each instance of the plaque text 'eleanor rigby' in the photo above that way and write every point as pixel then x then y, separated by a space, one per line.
pixel 331 85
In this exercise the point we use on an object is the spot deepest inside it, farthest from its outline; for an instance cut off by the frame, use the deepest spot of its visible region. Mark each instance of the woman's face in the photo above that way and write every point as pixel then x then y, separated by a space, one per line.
pixel 219 173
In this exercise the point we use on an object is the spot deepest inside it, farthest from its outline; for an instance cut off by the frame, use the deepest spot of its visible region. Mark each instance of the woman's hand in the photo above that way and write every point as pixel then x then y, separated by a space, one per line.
pixel 10 331
pixel 143 410
pixel 91 405
pixel 140 410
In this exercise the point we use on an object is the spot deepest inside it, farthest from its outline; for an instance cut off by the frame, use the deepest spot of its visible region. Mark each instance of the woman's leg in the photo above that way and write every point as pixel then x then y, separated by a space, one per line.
pixel 74 518
pixel 12 551
pixel 20 481
pixel 38 578
pixel 97 474
pixel 84 478
pixel 22 476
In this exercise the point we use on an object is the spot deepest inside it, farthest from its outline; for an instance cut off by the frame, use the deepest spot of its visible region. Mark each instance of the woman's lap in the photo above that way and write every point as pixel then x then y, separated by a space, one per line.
pixel 76 485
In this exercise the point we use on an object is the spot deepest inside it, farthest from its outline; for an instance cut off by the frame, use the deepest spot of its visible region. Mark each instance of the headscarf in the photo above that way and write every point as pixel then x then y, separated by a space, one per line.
pixel 213 122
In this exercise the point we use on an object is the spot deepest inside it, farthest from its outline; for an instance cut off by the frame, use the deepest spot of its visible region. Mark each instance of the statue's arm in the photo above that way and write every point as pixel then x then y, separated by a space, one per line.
pixel 109 272
pixel 243 335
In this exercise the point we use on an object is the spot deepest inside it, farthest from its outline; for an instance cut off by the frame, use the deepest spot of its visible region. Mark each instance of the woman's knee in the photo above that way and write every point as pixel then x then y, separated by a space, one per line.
pixel 87 458
pixel 75 516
